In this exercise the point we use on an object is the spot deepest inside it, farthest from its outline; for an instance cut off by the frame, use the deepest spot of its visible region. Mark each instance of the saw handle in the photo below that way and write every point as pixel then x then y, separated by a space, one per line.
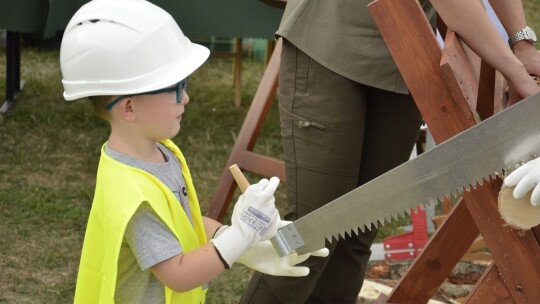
pixel 285 235
pixel 239 177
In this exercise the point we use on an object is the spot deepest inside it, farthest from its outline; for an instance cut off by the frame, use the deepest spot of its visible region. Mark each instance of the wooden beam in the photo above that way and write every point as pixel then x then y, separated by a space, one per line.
pixel 490 289
pixel 418 57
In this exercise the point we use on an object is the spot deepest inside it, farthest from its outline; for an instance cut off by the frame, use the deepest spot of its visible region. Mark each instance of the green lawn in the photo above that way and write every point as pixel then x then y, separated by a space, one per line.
pixel 49 150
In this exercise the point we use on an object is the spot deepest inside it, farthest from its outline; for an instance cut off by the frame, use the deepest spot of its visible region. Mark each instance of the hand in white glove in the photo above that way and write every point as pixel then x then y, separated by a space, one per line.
pixel 254 218
pixel 264 258
pixel 525 178
pixel 258 210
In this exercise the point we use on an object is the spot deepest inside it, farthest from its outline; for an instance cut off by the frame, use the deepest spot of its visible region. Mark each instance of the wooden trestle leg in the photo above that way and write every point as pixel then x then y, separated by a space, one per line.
pixel 516 254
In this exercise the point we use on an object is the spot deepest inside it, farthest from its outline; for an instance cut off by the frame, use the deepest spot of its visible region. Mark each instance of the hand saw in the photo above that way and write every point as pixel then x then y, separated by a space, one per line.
pixel 464 161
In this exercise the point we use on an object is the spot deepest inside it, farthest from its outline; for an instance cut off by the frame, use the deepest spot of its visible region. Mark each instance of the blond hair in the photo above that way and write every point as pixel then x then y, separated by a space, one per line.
pixel 100 104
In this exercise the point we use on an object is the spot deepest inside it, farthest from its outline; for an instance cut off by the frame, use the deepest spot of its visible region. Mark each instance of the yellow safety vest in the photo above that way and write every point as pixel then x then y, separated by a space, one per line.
pixel 120 189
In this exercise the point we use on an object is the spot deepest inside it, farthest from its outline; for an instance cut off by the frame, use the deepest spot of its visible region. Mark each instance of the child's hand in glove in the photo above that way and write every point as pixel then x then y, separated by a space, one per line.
pixel 264 258
pixel 254 218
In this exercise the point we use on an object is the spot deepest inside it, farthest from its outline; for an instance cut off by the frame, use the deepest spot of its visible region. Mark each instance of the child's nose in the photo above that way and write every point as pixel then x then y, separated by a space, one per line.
pixel 185 98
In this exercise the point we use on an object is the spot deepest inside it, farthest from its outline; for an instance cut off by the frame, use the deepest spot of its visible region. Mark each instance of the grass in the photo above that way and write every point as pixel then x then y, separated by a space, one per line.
pixel 49 150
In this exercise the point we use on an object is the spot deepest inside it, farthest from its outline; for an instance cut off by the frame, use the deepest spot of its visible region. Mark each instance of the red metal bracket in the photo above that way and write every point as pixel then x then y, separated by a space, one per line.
pixel 409 244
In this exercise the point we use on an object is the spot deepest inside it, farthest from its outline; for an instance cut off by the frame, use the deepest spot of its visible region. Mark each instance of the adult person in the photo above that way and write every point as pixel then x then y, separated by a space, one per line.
pixel 347 117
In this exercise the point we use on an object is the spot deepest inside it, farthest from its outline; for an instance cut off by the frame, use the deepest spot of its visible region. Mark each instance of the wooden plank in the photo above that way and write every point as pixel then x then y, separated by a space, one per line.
pixel 490 288
pixel 237 72
pixel 486 92
pixel 462 68
pixel 458 75
pixel 441 26
pixel 263 165
pixel 417 57
pixel 260 106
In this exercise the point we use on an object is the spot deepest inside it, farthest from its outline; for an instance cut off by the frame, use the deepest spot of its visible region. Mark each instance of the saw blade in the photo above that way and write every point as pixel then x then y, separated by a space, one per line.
pixel 466 160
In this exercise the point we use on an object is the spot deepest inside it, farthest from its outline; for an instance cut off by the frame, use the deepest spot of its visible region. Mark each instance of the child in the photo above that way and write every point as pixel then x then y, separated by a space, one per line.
pixel 146 240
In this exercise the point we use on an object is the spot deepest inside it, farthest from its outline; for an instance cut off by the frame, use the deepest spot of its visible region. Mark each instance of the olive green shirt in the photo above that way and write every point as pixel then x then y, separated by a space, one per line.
pixel 342 36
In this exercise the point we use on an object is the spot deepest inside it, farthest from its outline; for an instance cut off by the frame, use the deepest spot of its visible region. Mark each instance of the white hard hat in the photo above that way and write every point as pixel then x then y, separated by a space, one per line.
pixel 120 47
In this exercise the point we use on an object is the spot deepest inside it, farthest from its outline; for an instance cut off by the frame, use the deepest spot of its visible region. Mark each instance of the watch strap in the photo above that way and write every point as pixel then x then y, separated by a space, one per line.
pixel 521 35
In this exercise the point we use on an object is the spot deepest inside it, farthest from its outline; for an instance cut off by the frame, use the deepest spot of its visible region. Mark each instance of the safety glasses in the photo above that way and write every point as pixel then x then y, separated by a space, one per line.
pixel 178 88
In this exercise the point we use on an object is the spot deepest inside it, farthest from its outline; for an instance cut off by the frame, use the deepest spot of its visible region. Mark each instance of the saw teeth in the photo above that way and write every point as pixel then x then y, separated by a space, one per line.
pixel 332 238
pixel 429 203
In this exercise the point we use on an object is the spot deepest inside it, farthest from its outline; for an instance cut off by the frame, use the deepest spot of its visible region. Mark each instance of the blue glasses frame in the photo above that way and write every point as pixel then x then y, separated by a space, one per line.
pixel 178 88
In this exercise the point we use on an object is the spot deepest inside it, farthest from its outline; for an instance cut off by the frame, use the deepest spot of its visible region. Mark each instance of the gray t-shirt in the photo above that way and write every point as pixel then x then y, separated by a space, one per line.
pixel 147 240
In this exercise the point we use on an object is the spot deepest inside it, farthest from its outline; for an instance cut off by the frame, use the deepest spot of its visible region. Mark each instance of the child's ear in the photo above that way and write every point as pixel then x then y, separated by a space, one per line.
pixel 125 109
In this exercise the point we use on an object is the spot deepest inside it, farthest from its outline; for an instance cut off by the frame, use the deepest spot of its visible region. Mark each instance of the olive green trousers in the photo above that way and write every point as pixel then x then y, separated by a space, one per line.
pixel 337 134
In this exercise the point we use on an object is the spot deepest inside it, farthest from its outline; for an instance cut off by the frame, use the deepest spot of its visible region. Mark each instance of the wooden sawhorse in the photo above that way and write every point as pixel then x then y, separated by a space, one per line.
pixel 446 105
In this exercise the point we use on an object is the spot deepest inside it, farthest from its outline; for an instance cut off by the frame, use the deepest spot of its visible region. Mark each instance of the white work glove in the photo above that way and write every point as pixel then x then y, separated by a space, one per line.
pixel 264 258
pixel 525 178
pixel 254 218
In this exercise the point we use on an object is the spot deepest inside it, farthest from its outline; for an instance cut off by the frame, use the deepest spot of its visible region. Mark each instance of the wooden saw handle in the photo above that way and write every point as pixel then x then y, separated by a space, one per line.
pixel 239 177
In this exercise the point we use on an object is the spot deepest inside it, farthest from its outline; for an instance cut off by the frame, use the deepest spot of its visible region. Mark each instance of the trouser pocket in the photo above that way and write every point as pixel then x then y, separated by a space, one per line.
pixel 299 121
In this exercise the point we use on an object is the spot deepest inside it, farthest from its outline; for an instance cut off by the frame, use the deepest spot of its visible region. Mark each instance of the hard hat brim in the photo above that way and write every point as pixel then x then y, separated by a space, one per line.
pixel 194 56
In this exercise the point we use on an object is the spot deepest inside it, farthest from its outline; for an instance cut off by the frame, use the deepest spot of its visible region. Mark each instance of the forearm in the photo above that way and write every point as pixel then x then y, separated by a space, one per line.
pixel 510 13
pixel 187 271
pixel 195 268
pixel 470 21
pixel 210 226
pixel 512 17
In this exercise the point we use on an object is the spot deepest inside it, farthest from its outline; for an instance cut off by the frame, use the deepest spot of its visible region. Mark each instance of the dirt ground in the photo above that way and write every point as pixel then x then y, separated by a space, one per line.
pixel 454 289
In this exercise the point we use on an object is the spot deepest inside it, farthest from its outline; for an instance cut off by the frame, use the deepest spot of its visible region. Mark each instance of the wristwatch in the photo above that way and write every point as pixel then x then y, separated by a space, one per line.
pixel 525 34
